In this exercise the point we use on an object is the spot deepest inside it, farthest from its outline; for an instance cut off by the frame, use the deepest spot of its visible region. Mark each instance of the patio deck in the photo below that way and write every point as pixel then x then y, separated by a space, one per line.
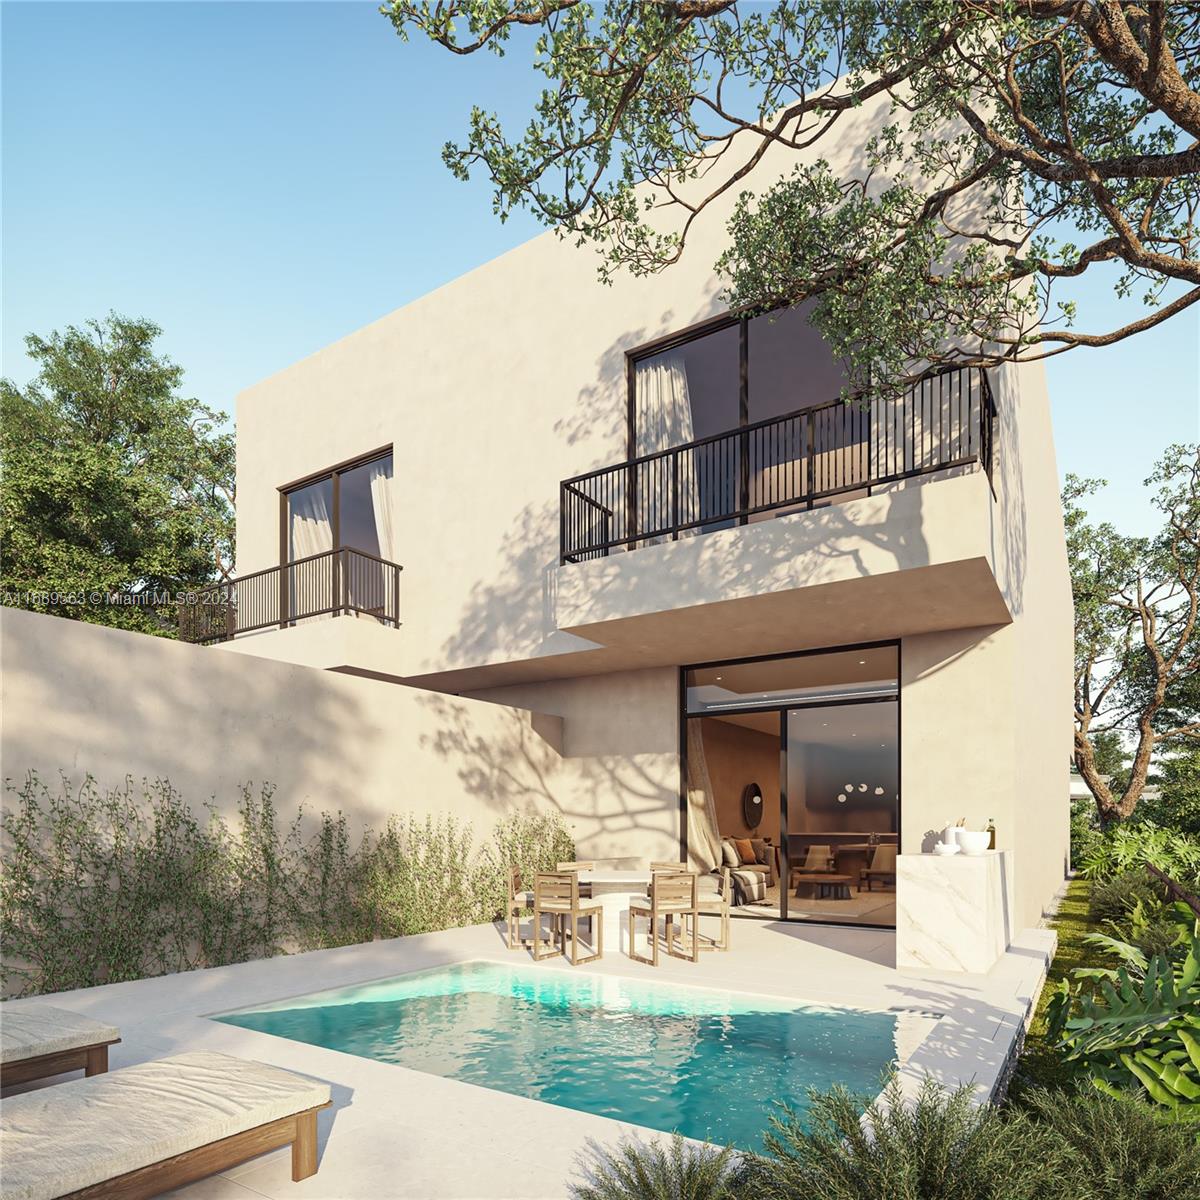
pixel 395 1133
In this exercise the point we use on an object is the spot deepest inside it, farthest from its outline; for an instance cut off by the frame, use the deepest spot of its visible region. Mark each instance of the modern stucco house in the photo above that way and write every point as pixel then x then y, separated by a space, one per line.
pixel 655 528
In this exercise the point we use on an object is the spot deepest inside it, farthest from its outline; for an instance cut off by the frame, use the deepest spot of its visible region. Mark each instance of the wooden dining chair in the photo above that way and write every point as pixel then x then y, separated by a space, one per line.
pixel 518 901
pixel 576 866
pixel 679 867
pixel 672 894
pixel 714 902
pixel 556 895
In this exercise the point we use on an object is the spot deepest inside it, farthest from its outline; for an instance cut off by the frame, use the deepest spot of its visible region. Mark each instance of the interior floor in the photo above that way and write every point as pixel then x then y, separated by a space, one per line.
pixel 877 907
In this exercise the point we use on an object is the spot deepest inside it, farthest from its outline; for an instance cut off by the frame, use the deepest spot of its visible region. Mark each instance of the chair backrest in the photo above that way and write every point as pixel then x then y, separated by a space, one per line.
pixel 669 866
pixel 817 858
pixel 884 858
pixel 576 866
pixel 675 888
pixel 514 882
pixel 557 888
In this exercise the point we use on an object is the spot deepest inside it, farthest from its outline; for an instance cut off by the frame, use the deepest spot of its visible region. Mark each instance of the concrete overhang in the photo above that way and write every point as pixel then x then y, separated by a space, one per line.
pixel 345 643
pixel 914 560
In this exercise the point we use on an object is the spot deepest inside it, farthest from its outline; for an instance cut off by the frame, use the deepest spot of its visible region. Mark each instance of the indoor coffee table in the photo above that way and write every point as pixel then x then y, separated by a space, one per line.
pixel 833 887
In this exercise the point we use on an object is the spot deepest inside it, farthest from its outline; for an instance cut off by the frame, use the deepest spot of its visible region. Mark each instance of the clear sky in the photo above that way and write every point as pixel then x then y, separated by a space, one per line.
pixel 262 178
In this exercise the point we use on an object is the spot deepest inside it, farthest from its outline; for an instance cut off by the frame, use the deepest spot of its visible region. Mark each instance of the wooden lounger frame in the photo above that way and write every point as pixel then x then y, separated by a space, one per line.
pixel 298 1131
pixel 91 1060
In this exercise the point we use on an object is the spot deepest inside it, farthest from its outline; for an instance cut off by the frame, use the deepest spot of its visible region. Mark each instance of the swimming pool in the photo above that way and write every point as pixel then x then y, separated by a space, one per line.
pixel 710 1064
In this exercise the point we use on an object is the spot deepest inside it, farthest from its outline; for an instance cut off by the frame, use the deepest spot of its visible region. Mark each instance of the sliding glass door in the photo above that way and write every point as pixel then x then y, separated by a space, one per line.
pixel 792 778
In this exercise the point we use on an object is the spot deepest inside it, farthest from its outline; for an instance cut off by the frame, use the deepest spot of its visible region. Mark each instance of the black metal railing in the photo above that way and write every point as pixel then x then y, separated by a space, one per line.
pixel 331 583
pixel 812 455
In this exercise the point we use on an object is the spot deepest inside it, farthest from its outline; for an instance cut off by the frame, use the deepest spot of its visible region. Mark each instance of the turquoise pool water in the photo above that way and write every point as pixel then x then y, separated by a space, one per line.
pixel 706 1063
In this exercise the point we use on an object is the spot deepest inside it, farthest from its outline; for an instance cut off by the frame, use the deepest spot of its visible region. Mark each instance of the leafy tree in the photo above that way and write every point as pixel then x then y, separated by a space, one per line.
pixel 1027 143
pixel 113 483
pixel 1137 643
pixel 1177 803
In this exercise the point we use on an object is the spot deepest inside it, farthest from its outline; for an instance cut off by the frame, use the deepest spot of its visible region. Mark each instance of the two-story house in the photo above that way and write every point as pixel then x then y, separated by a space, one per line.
pixel 754 610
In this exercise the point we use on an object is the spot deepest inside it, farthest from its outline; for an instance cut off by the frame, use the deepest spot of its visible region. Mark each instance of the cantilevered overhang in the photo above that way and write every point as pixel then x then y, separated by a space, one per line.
pixel 914 560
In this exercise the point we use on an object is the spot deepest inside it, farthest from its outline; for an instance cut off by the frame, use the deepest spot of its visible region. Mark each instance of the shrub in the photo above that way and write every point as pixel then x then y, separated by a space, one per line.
pixel 678 1171
pixel 1119 1149
pixel 939 1146
pixel 1115 898
pixel 100 887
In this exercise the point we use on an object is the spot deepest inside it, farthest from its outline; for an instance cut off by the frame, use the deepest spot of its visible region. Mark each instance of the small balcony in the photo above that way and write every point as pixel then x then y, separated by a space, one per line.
pixel 333 583
pixel 807 459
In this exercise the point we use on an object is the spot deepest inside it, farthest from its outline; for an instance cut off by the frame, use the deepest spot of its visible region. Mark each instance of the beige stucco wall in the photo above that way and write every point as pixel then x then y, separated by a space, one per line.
pixel 510 379
pixel 85 699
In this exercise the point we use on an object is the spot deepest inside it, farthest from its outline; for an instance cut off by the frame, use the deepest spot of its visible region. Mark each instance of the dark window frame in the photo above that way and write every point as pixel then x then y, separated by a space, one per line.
pixel 897 700
pixel 333 473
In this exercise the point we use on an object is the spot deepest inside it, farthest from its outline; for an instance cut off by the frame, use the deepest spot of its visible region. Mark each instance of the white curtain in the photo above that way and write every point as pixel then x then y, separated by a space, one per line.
pixel 380 473
pixel 663 418
pixel 704 835
pixel 312 531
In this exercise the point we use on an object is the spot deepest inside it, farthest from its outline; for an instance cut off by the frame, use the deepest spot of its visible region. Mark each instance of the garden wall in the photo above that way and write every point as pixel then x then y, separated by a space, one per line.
pixel 86 699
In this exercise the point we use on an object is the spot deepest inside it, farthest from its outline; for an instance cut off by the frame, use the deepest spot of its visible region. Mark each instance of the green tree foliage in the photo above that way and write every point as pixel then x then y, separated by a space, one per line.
pixel 1025 145
pixel 1177 804
pixel 113 483
pixel 1137 639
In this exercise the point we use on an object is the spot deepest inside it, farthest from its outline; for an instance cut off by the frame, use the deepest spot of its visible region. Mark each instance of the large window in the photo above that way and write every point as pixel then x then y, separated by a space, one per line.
pixel 351 506
pixel 733 374
pixel 799 758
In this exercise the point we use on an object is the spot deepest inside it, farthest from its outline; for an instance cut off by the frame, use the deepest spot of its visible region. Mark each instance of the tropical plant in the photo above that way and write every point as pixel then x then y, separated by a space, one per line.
pixel 1136 1027
pixel 653 1171
pixel 1128 847
pixel 1117 897
pixel 936 1145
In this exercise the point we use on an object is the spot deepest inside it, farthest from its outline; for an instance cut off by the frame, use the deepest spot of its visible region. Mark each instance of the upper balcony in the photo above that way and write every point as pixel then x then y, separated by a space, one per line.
pixel 809 458
pixel 341 582
pixel 829 525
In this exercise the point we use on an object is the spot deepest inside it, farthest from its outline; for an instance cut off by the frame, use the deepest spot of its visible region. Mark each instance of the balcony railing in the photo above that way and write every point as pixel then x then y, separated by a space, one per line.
pixel 331 583
pixel 814 455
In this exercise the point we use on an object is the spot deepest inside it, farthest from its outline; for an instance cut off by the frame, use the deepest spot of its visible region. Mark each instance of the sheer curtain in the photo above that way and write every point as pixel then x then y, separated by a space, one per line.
pixel 312 531
pixel 663 418
pixel 380 473
pixel 704 837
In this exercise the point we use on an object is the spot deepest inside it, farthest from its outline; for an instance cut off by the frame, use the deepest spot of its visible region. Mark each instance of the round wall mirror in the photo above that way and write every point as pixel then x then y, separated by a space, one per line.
pixel 752 805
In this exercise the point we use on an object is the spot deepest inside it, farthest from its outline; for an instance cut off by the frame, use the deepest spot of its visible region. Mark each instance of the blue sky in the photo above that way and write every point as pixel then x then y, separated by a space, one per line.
pixel 262 178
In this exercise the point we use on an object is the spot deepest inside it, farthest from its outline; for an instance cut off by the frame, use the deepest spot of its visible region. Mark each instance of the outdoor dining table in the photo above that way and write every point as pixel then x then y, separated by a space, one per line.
pixel 613 888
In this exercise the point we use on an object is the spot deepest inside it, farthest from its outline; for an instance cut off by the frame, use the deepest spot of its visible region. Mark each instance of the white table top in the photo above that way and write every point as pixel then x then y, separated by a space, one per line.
pixel 633 878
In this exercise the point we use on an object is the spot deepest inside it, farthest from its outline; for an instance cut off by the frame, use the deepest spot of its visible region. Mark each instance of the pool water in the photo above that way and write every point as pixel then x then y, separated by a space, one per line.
pixel 709 1064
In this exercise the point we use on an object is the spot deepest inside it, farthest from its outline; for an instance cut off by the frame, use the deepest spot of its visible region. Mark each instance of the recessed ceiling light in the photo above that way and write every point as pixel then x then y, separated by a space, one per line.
pixel 719 678
pixel 862 662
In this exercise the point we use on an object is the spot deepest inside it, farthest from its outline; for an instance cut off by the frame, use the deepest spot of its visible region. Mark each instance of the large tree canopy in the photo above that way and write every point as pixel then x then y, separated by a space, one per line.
pixel 1137 634
pixel 1077 123
pixel 114 487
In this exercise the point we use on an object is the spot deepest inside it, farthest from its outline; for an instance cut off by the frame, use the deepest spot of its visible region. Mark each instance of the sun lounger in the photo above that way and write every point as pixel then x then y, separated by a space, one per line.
pixel 37 1041
pixel 149 1128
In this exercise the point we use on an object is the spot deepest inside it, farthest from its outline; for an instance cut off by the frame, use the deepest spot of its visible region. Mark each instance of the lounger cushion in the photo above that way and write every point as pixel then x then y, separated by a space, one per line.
pixel 31 1030
pixel 63 1138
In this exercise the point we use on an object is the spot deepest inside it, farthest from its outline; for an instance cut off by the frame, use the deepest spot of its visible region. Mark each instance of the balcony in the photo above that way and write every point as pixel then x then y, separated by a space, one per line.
pixel 330 584
pixel 807 459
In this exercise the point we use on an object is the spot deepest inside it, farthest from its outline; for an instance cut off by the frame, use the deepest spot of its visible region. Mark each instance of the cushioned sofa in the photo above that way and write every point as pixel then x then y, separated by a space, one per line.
pixel 753 867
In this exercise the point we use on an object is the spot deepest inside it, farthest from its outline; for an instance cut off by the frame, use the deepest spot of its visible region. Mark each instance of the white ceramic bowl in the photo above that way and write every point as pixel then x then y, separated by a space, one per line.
pixel 945 848
pixel 973 841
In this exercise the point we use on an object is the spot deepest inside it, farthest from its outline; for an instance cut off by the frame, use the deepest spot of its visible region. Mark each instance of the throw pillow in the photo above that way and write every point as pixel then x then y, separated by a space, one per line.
pixel 729 854
pixel 745 850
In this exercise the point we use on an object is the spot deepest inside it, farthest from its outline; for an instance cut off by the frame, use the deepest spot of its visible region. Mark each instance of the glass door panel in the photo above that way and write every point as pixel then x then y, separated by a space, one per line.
pixel 843 809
